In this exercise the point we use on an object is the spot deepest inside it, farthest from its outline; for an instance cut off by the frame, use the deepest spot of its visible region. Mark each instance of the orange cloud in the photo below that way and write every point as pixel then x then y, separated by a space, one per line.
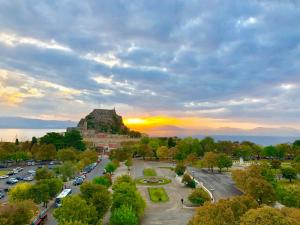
pixel 189 123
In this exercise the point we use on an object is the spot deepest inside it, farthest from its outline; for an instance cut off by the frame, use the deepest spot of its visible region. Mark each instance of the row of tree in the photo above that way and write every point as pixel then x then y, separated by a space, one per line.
pixel 243 210
pixel 190 148
pixel 45 148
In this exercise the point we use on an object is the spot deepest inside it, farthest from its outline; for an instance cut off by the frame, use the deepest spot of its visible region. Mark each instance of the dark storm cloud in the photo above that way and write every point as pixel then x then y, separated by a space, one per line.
pixel 233 57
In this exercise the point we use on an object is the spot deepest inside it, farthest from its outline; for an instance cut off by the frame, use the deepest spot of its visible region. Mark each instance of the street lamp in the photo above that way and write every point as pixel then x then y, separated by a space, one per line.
pixel 212 193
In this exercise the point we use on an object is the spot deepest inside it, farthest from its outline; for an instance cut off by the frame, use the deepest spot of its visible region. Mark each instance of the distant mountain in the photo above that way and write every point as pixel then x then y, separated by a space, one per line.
pixel 259 131
pixel 27 123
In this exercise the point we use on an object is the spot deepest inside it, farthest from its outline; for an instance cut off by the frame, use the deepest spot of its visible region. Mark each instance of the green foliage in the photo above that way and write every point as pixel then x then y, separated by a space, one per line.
pixel 289 173
pixel 124 215
pixel 19 192
pixel 223 212
pixel 125 193
pixel 17 213
pixel 43 173
pixel 199 196
pixel 110 168
pixel 180 169
pixel 67 154
pixel 158 195
pixel 223 161
pixel 149 172
pixel 45 152
pixel 96 195
pixel 289 196
pixel 266 216
pixel 103 180
pixel 210 160
pixel 276 164
pixel 70 139
pixel 74 208
pixel 67 170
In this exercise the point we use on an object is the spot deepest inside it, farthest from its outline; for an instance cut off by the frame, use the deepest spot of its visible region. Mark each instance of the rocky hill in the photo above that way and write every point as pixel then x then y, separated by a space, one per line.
pixel 104 120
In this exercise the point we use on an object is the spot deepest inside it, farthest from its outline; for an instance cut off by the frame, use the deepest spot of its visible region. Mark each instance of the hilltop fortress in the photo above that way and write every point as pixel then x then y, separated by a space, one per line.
pixel 105 129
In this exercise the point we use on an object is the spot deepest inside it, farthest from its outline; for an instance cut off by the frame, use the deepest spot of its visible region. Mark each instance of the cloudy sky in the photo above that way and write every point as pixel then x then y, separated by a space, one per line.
pixel 191 64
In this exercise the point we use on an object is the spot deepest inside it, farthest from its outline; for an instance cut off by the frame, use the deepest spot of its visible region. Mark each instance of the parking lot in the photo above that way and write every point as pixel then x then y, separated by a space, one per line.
pixel 23 173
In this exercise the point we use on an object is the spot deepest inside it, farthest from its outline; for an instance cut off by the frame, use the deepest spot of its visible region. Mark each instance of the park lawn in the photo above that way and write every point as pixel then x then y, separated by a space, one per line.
pixel 286 183
pixel 3 172
pixel 158 195
pixel 149 172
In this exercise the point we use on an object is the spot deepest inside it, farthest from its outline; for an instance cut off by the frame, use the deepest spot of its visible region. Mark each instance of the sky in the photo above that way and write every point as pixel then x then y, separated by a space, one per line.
pixel 175 64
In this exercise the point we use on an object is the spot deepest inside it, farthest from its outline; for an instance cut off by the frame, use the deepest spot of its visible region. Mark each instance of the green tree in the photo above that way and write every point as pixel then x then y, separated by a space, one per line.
pixel 103 180
pixel 180 169
pixel 276 164
pixel 128 163
pixel 223 161
pixel 67 154
pixel 199 196
pixel 17 213
pixel 19 192
pixel 210 160
pixel 269 151
pixel 260 190
pixel 123 216
pixel 73 139
pixel 40 193
pixel 110 168
pixel 73 223
pixel 127 194
pixel 162 152
pixel 266 216
pixel 207 144
pixel 46 152
pixel 289 173
pixel 102 201
pixel 43 173
pixel 75 208
pixel 53 138
pixel 67 170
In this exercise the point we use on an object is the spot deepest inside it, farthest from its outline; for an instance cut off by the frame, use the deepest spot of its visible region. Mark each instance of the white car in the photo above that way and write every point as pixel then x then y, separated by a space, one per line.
pixel 31 171
pixel 12 181
pixel 4 177
pixel 29 178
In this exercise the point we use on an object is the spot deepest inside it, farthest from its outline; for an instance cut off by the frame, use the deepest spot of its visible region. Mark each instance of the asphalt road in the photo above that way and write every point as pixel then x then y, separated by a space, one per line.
pixel 221 183
pixel 24 172
pixel 98 171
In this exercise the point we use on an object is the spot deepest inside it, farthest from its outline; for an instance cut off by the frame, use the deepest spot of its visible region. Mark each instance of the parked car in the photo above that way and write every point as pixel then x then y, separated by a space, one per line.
pixel 12 181
pixel 30 163
pixel 77 181
pixel 83 176
pixel 3 166
pixel 10 173
pixel 15 171
pixel 2 194
pixel 31 172
pixel 4 176
pixel 19 169
pixel 29 178
pixel 20 178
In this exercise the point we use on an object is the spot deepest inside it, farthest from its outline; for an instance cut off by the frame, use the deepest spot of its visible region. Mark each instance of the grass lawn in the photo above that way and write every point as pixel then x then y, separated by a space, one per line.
pixel 167 167
pixel 3 172
pixel 286 183
pixel 149 172
pixel 158 195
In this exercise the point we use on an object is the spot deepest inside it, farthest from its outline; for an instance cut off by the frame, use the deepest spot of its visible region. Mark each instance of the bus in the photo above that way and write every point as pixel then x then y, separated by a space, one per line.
pixel 63 194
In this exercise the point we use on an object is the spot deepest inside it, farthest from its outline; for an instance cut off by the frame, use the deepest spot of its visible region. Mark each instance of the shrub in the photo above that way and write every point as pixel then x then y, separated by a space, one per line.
pixel 148 172
pixel 180 169
pixel 103 180
pixel 123 215
pixel 199 196
pixel 289 173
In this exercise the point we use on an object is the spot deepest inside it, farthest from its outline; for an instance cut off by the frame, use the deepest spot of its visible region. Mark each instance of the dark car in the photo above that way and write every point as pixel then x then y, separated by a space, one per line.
pixel 78 181
pixel 2 194
pixel 12 181
pixel 19 178
pixel 10 173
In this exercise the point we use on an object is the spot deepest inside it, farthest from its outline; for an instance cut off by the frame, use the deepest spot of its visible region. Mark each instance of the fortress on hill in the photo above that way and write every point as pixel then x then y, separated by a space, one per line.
pixel 105 129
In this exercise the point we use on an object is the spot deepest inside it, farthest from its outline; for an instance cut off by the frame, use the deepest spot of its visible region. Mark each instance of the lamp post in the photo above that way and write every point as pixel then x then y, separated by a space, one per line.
pixel 212 193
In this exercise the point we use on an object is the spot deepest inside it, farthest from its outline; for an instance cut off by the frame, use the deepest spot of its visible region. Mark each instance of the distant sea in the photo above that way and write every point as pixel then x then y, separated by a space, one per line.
pixel 261 140
pixel 24 134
